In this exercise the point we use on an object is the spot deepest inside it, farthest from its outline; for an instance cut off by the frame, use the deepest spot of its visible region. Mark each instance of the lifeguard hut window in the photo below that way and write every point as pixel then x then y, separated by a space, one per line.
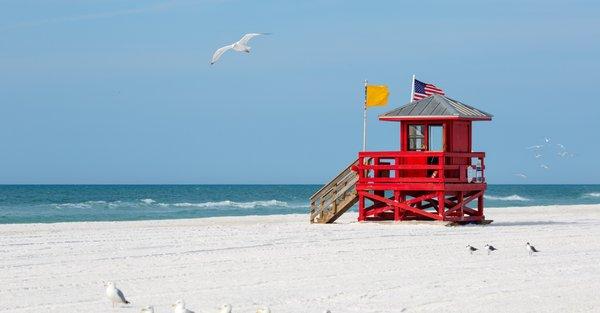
pixel 436 138
pixel 416 138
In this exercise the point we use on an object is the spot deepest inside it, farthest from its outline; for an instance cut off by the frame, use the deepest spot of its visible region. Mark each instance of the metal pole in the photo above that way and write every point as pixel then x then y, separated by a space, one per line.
pixel 365 120
pixel 412 89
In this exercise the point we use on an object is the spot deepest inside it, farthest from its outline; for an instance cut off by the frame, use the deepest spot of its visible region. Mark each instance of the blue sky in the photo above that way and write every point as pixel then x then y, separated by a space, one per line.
pixel 121 91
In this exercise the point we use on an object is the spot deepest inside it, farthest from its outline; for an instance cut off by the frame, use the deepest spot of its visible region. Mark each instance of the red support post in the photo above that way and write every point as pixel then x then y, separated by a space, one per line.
pixel 396 209
pixel 480 205
pixel 441 204
pixel 361 208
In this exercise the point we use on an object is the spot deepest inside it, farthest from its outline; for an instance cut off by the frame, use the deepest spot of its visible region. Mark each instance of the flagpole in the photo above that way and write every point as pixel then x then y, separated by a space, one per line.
pixel 412 89
pixel 364 147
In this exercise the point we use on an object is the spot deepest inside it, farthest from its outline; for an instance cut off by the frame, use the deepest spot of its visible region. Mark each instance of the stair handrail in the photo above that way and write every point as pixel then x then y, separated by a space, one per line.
pixel 342 173
pixel 328 195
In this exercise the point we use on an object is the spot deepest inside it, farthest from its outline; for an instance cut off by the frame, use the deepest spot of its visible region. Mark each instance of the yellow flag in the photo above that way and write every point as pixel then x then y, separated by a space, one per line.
pixel 377 95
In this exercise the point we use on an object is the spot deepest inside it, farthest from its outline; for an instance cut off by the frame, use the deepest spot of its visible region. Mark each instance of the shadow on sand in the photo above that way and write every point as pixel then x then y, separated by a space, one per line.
pixel 531 223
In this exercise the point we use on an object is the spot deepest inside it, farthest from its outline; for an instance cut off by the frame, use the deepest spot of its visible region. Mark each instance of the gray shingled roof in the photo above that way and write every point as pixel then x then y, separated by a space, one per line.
pixel 437 106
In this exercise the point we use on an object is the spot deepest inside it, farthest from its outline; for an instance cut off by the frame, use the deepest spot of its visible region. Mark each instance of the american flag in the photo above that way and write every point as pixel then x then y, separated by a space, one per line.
pixel 424 90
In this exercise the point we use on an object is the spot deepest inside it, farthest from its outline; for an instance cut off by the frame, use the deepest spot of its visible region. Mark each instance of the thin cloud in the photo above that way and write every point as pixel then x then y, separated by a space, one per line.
pixel 92 16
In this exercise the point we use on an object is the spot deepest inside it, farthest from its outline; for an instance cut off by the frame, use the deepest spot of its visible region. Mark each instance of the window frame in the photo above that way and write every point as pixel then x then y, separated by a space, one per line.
pixel 406 137
pixel 423 137
pixel 443 142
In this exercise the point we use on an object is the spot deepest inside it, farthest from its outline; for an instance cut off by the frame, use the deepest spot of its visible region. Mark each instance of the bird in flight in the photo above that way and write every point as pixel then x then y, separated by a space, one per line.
pixel 537 156
pixel 239 46
pixel 536 147
pixel 544 166
pixel 547 140
pixel 521 175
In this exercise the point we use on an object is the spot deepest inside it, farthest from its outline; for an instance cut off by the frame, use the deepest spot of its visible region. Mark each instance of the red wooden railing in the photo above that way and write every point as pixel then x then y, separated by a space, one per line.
pixel 420 167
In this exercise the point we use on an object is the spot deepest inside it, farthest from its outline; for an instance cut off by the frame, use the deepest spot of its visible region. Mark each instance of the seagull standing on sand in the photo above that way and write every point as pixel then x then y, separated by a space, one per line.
pixel 490 249
pixel 179 307
pixel 471 249
pixel 226 308
pixel 148 309
pixel 531 249
pixel 115 295
pixel 239 46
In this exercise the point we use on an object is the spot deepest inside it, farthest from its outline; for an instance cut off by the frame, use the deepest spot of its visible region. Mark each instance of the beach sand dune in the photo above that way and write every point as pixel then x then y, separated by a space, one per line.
pixel 292 266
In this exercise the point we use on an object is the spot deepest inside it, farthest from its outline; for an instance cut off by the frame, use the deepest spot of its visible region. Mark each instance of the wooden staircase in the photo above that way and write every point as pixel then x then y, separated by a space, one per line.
pixel 335 198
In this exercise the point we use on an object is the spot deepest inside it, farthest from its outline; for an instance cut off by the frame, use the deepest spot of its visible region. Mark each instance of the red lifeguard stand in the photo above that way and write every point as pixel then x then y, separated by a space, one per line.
pixel 435 175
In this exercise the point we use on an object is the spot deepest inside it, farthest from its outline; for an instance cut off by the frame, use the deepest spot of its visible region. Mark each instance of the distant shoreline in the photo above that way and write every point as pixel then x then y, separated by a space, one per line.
pixel 348 217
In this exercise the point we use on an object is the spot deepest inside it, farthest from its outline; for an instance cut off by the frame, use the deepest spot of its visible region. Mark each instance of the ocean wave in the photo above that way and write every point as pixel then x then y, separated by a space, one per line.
pixel 87 204
pixel 229 203
pixel 146 203
pixel 592 195
pixel 72 206
pixel 506 198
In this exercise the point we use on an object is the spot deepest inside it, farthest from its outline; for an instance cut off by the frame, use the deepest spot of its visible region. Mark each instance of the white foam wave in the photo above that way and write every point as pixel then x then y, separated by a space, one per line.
pixel 506 198
pixel 73 206
pixel 151 202
pixel 592 195
pixel 229 203
pixel 88 204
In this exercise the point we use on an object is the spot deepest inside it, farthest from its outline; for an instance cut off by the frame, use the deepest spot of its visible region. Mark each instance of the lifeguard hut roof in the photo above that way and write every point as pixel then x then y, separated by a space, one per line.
pixel 435 107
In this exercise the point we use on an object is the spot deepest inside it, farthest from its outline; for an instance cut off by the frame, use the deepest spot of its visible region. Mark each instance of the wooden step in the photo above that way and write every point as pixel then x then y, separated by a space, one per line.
pixel 335 197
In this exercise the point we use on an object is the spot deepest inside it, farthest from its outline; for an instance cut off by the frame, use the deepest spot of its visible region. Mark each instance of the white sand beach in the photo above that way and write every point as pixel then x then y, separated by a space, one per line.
pixel 292 266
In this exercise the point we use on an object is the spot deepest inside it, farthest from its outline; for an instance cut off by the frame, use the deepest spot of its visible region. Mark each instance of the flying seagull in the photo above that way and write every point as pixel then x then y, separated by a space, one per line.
pixel 521 175
pixel 490 248
pixel 536 147
pixel 239 46
pixel 537 156
pixel 471 249
pixel 531 249
pixel 148 309
pixel 226 308
pixel 544 166
pixel 179 307
pixel 547 140
pixel 115 295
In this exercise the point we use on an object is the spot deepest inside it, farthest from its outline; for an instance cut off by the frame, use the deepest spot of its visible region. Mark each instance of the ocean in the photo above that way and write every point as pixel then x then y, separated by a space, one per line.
pixel 67 203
